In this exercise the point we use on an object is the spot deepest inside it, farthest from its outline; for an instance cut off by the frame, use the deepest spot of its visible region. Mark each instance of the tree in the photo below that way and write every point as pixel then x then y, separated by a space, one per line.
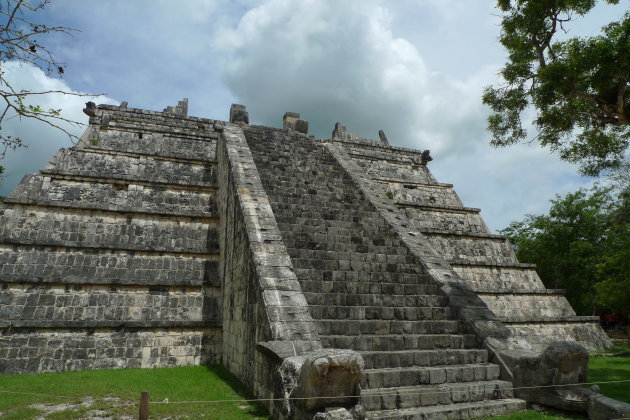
pixel 582 245
pixel 613 271
pixel 578 87
pixel 21 40
pixel 567 244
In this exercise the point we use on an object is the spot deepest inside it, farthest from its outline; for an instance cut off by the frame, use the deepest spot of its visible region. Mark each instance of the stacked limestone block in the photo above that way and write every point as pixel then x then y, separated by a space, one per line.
pixel 513 291
pixel 109 256
pixel 367 292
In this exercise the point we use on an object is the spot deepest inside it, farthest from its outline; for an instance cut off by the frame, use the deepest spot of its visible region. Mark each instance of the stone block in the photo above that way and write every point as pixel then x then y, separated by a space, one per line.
pixel 238 114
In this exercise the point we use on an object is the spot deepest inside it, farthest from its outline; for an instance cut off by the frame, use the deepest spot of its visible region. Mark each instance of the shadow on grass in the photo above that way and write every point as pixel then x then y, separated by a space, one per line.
pixel 259 409
pixel 610 372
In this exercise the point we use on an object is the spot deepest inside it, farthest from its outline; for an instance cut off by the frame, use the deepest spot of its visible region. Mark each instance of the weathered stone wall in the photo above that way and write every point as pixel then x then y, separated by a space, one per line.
pixel 453 220
pixel 472 249
pixel 114 196
pixel 142 120
pixel 174 145
pixel 94 266
pixel 102 303
pixel 538 333
pixel 94 229
pixel 389 163
pixel 263 301
pixel 109 257
pixel 500 277
pixel 530 306
pixel 416 194
pixel 96 164
pixel 61 349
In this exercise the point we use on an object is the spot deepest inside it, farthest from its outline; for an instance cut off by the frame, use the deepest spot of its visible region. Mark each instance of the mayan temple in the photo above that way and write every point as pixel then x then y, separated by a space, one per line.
pixel 336 276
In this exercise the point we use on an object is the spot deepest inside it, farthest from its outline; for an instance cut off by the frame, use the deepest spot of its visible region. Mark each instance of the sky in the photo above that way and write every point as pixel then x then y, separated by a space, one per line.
pixel 413 68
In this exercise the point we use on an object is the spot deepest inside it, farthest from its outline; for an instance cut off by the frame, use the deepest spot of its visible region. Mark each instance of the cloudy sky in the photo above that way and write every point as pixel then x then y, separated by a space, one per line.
pixel 413 68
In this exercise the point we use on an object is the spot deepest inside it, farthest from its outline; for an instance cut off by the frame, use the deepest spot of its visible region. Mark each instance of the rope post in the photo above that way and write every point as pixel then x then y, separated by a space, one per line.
pixel 144 406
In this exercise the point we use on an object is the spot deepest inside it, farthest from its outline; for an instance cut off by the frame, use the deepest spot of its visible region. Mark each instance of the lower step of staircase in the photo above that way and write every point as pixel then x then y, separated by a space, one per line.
pixel 430 395
pixel 461 411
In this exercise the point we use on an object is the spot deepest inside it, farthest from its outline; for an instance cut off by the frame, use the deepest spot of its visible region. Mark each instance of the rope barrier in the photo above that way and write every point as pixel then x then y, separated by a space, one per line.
pixel 252 400
pixel 410 392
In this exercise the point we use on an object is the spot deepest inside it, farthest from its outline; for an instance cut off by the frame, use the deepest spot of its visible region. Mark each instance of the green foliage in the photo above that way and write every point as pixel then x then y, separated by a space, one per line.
pixel 613 271
pixel 94 141
pixel 579 87
pixel 582 245
pixel 535 415
pixel 390 195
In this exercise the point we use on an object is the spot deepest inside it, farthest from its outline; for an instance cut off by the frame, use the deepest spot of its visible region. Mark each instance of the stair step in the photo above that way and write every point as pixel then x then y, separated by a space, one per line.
pixel 368 264
pixel 375 359
pixel 408 273
pixel 367 299
pixel 355 327
pixel 399 342
pixel 429 395
pixel 352 254
pixel 403 313
pixel 369 272
pixel 362 287
pixel 432 375
pixel 469 410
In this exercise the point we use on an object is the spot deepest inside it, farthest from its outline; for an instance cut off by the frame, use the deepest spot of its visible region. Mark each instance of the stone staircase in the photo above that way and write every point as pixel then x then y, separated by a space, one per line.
pixel 367 292
pixel 485 261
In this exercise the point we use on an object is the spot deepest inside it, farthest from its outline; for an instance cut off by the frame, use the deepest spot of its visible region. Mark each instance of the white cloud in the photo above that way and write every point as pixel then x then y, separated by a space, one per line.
pixel 341 61
pixel 41 139
pixel 414 68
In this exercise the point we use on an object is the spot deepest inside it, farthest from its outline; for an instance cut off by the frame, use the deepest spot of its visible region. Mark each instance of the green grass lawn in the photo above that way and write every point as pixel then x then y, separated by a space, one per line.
pixel 116 393
pixel 610 368
pixel 535 415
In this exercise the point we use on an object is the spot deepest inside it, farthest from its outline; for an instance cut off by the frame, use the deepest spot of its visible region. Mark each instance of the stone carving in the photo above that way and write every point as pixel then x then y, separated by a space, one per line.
pixel 426 157
pixel 321 379
pixel 180 110
pixel 238 114
pixel 340 132
pixel 381 135
pixel 562 363
pixel 90 109
pixel 292 121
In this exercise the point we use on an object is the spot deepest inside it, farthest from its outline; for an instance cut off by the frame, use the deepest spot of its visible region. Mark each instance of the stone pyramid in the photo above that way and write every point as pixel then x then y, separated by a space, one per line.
pixel 167 240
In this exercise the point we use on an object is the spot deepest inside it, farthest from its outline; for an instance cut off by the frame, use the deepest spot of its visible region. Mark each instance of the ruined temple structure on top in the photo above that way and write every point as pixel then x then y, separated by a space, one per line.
pixel 336 268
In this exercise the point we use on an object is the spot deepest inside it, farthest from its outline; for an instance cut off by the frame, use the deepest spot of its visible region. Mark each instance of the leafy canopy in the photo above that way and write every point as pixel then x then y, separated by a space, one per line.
pixel 578 87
